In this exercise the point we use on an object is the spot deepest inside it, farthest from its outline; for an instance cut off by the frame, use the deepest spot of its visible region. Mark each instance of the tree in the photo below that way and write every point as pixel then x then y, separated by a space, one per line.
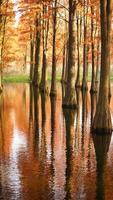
pixel 2 38
pixel 84 80
pixel 53 81
pixel 102 119
pixel 36 78
pixel 70 98
pixel 31 53
pixel 45 30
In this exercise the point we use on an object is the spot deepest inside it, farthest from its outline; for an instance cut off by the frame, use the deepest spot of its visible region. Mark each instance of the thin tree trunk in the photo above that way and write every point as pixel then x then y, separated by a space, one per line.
pixel 64 54
pixel 36 78
pixel 31 54
pixel 93 87
pixel 63 64
pixel 53 81
pixel 43 83
pixel 97 64
pixel 84 81
pixel 2 35
pixel 78 85
pixel 66 61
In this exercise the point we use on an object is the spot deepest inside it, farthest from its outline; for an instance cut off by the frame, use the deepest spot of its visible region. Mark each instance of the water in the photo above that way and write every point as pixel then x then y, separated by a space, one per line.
pixel 50 154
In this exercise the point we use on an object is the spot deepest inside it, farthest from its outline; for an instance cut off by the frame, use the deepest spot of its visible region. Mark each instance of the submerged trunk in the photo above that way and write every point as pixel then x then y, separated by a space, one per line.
pixel 70 98
pixel 102 119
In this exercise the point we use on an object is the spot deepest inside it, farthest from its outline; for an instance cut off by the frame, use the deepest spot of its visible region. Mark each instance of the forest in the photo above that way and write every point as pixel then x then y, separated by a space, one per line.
pixel 76 33
pixel 56 55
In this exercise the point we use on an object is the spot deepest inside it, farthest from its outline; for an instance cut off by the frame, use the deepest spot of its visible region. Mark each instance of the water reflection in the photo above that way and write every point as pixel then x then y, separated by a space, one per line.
pixel 69 116
pixel 101 144
pixel 93 106
pixel 50 153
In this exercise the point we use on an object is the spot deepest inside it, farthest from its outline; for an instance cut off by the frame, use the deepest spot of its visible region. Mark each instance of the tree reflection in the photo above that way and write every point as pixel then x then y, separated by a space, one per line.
pixel 69 116
pixel 101 144
pixel 30 107
pixel 1 143
pixel 78 93
pixel 43 138
pixel 36 118
pixel 84 118
pixel 93 106
pixel 53 112
pixel 84 109
pixel 63 91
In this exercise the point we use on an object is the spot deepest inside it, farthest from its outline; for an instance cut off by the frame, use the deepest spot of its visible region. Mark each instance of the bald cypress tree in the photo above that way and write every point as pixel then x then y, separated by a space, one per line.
pixel 102 119
pixel 70 98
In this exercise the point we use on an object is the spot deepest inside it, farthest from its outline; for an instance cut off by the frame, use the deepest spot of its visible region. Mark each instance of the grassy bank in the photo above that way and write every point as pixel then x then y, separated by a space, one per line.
pixel 21 79
pixel 26 79
pixel 16 79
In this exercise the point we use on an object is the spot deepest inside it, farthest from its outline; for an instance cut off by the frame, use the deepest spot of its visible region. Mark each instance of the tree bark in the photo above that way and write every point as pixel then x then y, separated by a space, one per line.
pixel 31 54
pixel 78 84
pixel 63 64
pixel 93 86
pixel 97 64
pixel 53 81
pixel 102 120
pixel 84 81
pixel 43 83
pixel 70 96
pixel 36 78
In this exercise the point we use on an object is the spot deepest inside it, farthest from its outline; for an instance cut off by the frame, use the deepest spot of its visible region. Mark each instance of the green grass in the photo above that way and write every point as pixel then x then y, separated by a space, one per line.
pixel 22 79
pixel 16 79
pixel 58 78
pixel 26 79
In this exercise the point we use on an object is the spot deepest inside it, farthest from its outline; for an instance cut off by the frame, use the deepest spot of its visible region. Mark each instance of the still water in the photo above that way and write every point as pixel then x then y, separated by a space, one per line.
pixel 47 153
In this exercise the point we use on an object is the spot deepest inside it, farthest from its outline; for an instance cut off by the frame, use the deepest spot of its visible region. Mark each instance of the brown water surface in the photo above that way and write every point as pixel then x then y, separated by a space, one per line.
pixel 47 153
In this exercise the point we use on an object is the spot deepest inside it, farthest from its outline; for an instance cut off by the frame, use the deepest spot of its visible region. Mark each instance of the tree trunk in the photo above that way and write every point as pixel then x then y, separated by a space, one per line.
pixel 97 64
pixel 1 87
pixel 70 96
pixel 84 81
pixel 31 54
pixel 63 65
pixel 36 78
pixel 2 38
pixel 102 120
pixel 93 87
pixel 53 81
pixel 66 61
pixel 78 85
pixel 43 83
